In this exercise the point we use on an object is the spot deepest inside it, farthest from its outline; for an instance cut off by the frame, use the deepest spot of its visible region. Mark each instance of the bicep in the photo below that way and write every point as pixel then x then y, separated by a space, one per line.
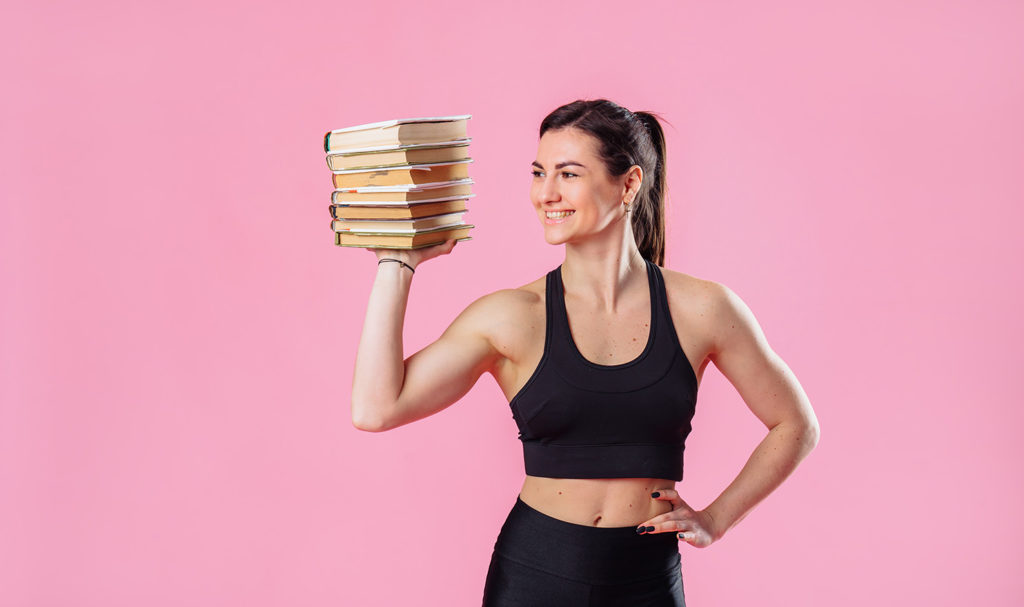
pixel 444 371
pixel 741 352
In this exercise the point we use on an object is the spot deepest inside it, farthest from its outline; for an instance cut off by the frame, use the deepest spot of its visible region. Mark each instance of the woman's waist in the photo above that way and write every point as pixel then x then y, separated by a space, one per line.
pixel 596 555
pixel 597 502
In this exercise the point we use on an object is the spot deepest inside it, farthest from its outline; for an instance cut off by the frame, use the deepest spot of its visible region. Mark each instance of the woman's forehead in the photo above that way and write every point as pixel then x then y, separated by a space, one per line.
pixel 567 145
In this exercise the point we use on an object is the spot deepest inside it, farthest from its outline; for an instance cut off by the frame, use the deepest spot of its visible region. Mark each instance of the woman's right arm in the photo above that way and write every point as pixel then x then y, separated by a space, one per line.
pixel 388 391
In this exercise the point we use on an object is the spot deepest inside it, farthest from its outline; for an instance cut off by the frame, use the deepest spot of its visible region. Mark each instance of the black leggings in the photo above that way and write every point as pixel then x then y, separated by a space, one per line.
pixel 541 560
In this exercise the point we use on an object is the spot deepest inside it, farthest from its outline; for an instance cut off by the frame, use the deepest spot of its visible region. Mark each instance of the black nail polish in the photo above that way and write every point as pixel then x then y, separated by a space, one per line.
pixel 656 494
pixel 650 529
pixel 639 530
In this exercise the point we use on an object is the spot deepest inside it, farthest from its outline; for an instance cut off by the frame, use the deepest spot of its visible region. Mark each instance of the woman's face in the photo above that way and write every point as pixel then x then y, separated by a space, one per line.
pixel 569 176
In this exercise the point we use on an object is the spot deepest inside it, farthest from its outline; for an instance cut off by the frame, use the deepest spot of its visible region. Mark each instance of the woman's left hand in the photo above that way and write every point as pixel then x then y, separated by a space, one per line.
pixel 695 527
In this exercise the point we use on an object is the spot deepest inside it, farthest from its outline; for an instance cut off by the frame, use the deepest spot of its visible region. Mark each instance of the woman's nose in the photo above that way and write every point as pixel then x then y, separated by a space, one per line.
pixel 549 190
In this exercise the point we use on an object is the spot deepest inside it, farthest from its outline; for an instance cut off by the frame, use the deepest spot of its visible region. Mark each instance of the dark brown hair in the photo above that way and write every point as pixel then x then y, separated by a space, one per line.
pixel 626 138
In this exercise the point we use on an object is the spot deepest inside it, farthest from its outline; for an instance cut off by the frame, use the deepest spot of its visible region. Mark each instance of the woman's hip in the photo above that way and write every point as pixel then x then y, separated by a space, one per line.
pixel 592 555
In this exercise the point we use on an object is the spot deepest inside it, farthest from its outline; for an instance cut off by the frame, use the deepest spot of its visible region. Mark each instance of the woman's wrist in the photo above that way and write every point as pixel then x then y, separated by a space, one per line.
pixel 395 262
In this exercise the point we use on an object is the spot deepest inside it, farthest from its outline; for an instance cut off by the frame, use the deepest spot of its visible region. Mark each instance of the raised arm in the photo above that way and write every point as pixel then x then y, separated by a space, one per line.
pixel 388 391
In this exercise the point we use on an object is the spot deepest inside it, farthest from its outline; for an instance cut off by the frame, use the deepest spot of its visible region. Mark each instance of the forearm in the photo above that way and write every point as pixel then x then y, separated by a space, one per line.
pixel 772 462
pixel 380 363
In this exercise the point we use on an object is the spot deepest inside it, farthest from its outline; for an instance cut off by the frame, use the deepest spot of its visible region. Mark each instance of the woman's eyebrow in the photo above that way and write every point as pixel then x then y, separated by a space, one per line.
pixel 560 164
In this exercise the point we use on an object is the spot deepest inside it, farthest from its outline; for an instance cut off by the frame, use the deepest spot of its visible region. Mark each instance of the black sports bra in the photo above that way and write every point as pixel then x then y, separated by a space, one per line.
pixel 579 419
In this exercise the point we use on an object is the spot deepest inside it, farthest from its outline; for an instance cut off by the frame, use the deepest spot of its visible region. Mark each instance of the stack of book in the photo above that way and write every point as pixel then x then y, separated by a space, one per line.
pixel 400 184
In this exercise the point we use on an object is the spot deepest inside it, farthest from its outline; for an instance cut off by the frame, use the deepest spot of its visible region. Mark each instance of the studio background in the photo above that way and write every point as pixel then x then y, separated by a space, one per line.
pixel 178 330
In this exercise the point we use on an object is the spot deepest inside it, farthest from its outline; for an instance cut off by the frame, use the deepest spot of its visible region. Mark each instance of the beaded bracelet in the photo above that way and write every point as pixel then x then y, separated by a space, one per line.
pixel 399 261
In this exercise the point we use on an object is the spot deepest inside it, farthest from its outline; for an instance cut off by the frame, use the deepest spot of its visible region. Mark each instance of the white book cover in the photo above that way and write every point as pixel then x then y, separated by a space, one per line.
pixel 400 231
pixel 404 146
pixel 420 167
pixel 386 123
pixel 406 187
pixel 386 225
pixel 400 203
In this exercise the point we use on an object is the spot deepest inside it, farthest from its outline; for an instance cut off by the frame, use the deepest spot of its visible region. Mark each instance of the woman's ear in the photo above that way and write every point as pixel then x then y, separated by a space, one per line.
pixel 634 178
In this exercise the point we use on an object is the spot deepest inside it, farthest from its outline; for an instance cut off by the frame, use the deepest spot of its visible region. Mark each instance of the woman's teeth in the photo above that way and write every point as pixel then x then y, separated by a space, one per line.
pixel 560 214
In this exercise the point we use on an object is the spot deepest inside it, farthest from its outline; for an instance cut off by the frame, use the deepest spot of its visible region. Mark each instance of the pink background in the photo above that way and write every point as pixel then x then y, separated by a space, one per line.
pixel 177 329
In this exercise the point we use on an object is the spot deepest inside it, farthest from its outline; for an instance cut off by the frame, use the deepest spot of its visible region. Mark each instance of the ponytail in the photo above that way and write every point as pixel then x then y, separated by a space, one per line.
pixel 649 217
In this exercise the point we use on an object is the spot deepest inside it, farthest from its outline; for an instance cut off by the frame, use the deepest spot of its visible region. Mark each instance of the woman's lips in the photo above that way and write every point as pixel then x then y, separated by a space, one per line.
pixel 554 220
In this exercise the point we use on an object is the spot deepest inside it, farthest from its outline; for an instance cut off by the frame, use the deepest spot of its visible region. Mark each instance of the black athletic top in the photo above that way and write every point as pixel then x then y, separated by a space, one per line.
pixel 579 419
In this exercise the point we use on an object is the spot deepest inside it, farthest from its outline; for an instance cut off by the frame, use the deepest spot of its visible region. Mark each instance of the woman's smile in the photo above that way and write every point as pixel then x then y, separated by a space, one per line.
pixel 552 217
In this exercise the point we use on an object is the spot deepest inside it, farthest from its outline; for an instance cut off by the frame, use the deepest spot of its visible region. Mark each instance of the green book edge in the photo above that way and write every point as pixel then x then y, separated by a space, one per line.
pixel 422 246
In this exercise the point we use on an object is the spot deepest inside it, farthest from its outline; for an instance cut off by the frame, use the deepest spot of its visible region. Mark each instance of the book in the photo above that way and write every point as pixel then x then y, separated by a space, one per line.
pixel 400 183
pixel 390 156
pixel 398 226
pixel 399 131
pixel 409 174
pixel 402 241
pixel 410 211
pixel 403 193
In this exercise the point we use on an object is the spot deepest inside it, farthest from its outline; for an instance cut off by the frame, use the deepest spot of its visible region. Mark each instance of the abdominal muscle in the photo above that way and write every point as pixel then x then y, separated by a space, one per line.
pixel 596 502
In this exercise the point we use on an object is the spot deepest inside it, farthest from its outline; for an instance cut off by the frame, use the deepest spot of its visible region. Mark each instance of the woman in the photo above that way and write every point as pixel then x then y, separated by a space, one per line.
pixel 600 360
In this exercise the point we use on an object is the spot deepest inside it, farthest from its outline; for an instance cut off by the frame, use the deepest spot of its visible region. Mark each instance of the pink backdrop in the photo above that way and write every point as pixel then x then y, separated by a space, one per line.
pixel 177 329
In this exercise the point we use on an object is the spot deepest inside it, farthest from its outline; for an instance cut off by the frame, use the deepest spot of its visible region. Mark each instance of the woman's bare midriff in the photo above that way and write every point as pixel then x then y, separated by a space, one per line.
pixel 596 502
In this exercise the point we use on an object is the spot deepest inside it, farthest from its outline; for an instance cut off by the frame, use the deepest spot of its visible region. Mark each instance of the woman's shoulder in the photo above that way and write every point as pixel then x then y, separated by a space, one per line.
pixel 509 317
pixel 511 300
pixel 695 300
pixel 709 304
pixel 511 303
pixel 693 289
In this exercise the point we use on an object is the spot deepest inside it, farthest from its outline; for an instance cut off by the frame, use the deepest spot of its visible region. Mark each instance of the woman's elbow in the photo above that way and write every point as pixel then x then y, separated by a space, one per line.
pixel 363 419
pixel 811 433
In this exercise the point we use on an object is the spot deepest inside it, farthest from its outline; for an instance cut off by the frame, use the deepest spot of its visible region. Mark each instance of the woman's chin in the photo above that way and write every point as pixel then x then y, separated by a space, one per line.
pixel 554 236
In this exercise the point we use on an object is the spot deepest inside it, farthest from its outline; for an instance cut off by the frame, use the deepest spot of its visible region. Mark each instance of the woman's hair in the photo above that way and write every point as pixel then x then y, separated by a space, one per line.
pixel 626 138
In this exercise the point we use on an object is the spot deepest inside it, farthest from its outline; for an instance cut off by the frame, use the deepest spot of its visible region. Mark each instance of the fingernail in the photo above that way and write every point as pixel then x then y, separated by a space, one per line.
pixel 656 494
pixel 649 529
pixel 640 529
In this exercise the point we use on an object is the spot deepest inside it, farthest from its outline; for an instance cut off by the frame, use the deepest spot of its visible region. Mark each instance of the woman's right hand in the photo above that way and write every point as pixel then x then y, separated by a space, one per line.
pixel 414 257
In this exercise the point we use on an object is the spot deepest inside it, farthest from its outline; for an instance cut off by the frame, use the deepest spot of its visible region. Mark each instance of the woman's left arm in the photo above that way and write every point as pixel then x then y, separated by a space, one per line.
pixel 772 392
pixel 767 385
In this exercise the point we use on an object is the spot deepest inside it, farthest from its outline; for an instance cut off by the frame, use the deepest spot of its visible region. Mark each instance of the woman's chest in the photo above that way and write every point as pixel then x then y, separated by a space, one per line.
pixel 599 341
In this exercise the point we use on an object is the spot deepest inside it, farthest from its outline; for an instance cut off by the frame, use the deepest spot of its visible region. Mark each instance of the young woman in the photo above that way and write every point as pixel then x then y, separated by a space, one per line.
pixel 600 359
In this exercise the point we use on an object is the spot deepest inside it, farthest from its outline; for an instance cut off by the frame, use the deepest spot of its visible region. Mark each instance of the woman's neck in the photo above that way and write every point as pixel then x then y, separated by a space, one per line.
pixel 603 278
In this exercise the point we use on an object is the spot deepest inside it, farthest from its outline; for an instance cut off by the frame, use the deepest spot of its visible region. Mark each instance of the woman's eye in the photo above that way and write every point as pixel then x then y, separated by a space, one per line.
pixel 537 173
